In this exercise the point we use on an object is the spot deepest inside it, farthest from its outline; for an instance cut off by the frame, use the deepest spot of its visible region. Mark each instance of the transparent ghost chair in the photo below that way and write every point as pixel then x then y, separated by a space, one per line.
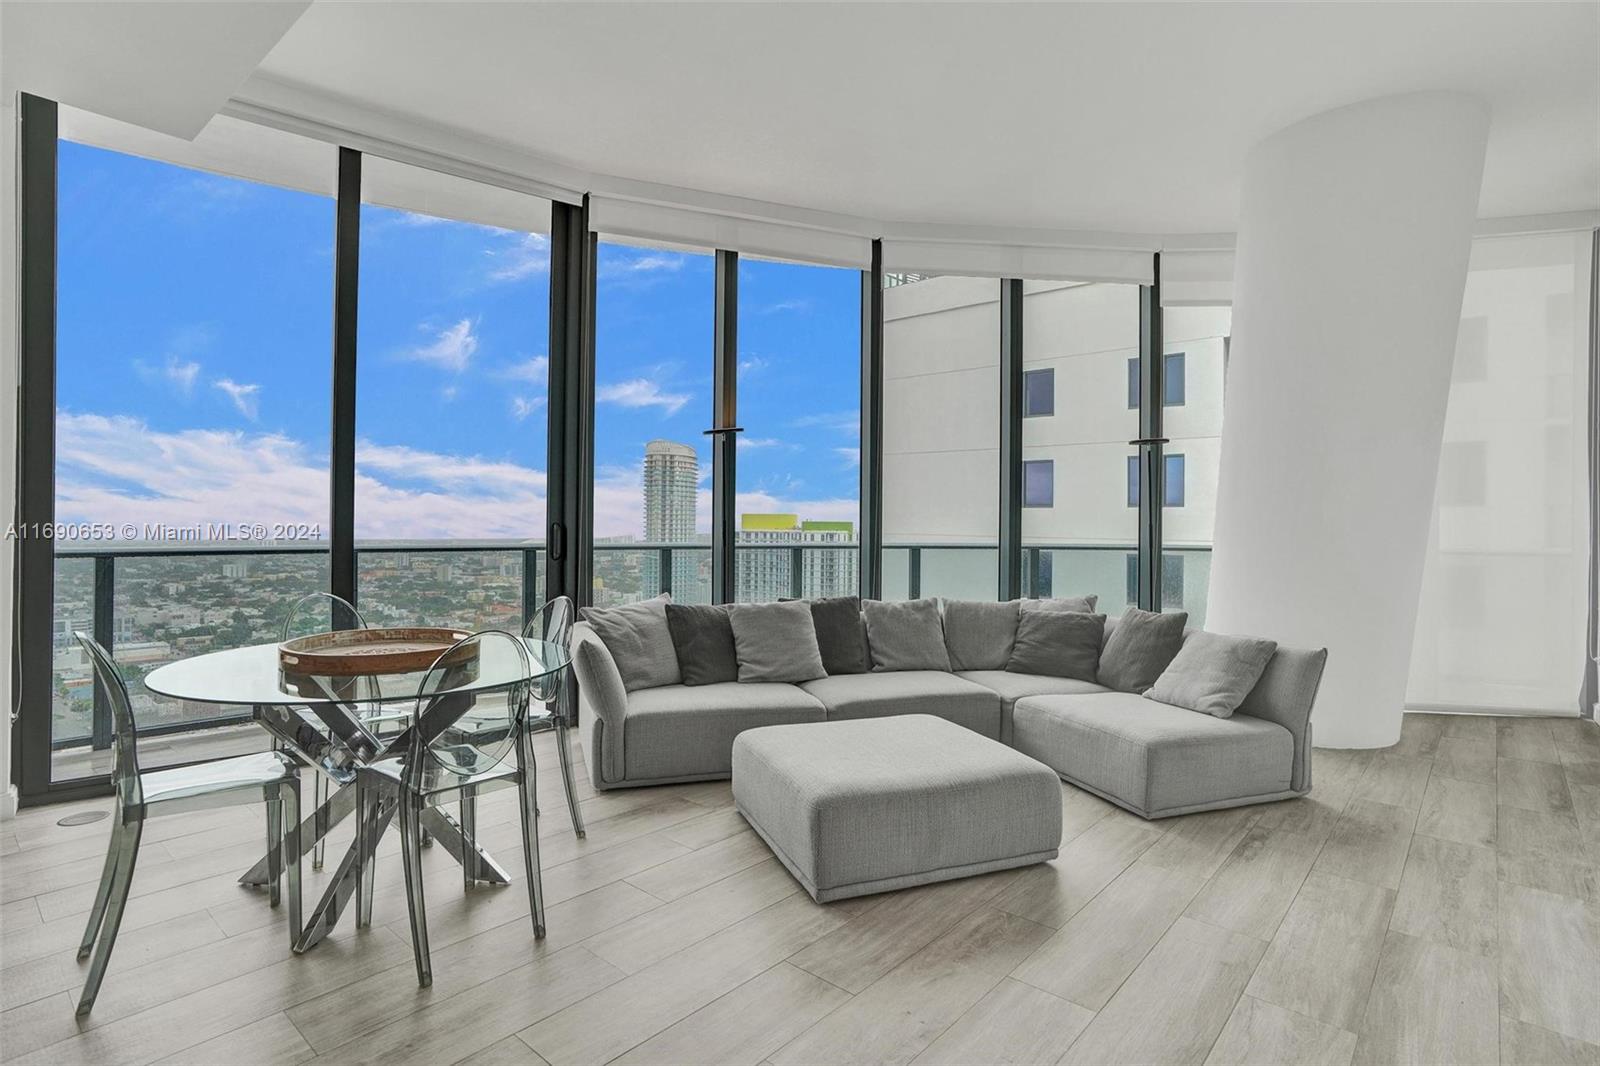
pixel 441 759
pixel 270 777
pixel 553 623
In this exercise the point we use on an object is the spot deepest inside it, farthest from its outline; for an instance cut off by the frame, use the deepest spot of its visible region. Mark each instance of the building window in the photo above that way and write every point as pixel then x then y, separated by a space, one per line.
pixel 1039 483
pixel 1171 579
pixel 1038 393
pixel 1174 386
pixel 1174 488
pixel 1172 382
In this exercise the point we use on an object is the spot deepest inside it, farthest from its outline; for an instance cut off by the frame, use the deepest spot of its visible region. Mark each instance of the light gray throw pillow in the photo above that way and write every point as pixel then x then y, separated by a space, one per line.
pixel 1074 604
pixel 1058 644
pixel 638 638
pixel 979 635
pixel 776 642
pixel 905 635
pixel 1140 648
pixel 1213 673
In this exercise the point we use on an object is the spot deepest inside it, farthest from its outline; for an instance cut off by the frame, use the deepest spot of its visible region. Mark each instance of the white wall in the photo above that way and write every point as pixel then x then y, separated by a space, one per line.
pixel 1352 253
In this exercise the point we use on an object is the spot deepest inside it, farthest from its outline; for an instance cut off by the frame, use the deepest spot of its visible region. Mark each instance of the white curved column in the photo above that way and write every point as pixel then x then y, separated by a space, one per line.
pixel 1354 231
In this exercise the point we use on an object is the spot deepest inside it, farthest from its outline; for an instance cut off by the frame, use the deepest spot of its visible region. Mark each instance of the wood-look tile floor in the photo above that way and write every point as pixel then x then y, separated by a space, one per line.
pixel 1436 902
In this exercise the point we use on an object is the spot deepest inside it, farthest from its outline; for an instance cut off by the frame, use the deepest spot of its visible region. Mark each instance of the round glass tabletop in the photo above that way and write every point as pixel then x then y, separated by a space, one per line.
pixel 252 676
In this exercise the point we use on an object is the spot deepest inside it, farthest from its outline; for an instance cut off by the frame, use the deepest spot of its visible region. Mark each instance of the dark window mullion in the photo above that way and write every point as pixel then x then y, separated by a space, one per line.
pixel 724 427
pixel 1152 393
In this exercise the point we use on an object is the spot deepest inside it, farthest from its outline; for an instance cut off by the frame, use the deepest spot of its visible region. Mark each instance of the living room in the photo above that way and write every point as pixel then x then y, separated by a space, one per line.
pixel 800 533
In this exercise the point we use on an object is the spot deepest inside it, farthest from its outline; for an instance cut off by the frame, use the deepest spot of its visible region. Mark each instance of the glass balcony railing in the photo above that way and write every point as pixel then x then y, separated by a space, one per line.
pixel 153 605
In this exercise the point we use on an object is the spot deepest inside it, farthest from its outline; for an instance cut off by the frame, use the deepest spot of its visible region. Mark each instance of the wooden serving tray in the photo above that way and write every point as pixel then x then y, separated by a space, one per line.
pixel 356 652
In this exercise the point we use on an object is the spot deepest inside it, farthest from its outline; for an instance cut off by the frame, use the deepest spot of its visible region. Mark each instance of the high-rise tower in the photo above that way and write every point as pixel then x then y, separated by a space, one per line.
pixel 671 488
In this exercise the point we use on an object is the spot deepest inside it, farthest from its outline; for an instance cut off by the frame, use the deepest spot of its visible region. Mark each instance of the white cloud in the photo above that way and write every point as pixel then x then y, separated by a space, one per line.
pixel 839 421
pixel 181 374
pixel 529 255
pixel 523 406
pixel 640 392
pixel 244 397
pixel 751 364
pixel 448 393
pixel 535 371
pixel 851 456
pixel 451 349
pixel 786 305
pixel 760 442
pixel 641 265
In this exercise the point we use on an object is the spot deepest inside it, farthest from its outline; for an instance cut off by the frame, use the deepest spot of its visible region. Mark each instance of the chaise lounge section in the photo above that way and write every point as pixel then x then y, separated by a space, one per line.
pixel 1154 759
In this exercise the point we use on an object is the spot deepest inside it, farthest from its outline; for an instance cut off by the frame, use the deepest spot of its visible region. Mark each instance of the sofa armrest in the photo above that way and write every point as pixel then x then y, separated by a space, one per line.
pixel 1285 695
pixel 602 696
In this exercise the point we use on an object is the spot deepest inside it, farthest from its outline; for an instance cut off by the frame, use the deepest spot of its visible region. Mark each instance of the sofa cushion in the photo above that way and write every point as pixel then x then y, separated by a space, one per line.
pixel 703 639
pixel 682 731
pixel 1213 673
pixel 979 635
pixel 1072 604
pixel 1013 687
pixel 1141 646
pixel 906 635
pixel 637 636
pixel 775 642
pixel 932 692
pixel 1058 643
pixel 841 634
pixel 1152 758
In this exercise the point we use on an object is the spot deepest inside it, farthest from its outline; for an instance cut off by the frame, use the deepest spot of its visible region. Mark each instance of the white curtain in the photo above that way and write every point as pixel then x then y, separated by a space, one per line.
pixel 1502 618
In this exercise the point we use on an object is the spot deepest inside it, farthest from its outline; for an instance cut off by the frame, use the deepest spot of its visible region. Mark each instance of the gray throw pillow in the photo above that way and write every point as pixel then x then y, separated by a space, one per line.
pixel 906 635
pixel 979 635
pixel 637 637
pixel 1077 604
pixel 841 636
pixel 1141 646
pixel 703 640
pixel 1058 644
pixel 776 642
pixel 1213 673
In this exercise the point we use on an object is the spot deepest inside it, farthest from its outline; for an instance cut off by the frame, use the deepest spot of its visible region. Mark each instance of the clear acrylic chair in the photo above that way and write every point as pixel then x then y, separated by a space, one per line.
pixel 445 760
pixel 323 612
pixel 553 623
pixel 270 777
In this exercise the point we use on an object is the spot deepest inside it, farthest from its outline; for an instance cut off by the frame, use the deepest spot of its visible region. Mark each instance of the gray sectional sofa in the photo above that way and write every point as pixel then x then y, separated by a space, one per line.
pixel 1151 758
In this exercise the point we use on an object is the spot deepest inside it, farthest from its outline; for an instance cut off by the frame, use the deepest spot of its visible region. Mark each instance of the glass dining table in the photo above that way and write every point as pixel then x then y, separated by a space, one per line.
pixel 336 724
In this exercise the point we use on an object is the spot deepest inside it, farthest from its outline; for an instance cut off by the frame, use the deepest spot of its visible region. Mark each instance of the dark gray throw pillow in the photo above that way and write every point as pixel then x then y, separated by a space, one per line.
pixel 775 642
pixel 1140 648
pixel 1076 604
pixel 1213 673
pixel 703 639
pixel 841 635
pixel 978 635
pixel 637 637
pixel 1058 644
pixel 905 635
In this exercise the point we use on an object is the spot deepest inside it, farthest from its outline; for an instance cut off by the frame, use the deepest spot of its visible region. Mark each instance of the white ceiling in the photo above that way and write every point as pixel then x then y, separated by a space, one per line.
pixel 1126 117
pixel 915 119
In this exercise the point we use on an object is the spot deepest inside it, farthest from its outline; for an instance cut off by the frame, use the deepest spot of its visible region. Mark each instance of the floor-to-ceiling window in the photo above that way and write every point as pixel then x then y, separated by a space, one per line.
pixel 451 399
pixel 1502 614
pixel 941 425
pixel 191 423
pixel 799 457
pixel 1196 359
pixel 1080 516
pixel 653 403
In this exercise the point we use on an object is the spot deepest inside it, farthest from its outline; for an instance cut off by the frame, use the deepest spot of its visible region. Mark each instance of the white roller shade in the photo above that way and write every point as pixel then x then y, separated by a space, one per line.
pixel 706 229
pixel 1197 277
pixel 1034 262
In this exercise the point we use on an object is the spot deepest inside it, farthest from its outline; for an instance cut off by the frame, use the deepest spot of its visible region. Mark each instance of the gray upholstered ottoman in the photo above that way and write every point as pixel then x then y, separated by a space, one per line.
pixel 878 804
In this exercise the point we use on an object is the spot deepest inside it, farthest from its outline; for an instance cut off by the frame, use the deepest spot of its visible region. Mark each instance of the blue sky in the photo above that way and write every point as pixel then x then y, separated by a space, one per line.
pixel 193 351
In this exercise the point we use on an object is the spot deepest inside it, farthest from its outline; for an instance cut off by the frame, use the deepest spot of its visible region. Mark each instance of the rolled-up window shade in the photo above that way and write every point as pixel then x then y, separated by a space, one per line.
pixel 430 192
pixel 1197 277
pixel 1035 262
pixel 705 229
